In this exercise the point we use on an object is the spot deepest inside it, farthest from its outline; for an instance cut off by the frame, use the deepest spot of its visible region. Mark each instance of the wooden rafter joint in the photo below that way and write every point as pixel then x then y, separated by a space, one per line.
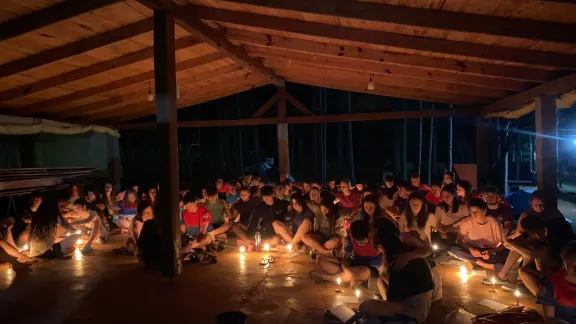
pixel 187 18
pixel 296 103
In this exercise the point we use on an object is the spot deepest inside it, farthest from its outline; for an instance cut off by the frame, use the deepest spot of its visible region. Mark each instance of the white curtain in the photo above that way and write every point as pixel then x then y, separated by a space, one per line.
pixel 12 125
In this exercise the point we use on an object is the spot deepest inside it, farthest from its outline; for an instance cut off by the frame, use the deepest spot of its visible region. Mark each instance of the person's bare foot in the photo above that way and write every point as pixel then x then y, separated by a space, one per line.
pixel 26 259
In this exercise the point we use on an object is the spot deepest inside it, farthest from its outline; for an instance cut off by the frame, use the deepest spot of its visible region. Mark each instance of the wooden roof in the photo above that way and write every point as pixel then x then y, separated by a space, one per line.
pixel 93 60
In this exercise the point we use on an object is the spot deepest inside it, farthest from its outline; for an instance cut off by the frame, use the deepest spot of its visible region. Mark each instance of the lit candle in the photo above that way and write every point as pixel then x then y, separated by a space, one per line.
pixel 358 293
pixel 266 247
pixel 339 281
pixel 289 247
pixel 517 293
pixel 494 283
pixel 79 242
pixel 242 249
pixel 68 234
pixel 78 232
pixel 435 247
pixel 26 247
pixel 463 274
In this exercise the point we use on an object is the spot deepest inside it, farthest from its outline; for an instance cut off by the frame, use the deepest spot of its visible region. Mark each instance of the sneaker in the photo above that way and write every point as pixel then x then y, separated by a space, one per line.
pixel 498 282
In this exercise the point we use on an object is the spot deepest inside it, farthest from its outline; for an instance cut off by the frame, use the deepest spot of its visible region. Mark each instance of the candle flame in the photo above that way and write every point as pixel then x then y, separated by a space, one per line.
pixel 289 247
pixel 266 247
pixel 26 247
pixel 79 242
pixel 358 293
pixel 242 249
pixel 517 293
pixel 493 280
pixel 435 247
pixel 338 280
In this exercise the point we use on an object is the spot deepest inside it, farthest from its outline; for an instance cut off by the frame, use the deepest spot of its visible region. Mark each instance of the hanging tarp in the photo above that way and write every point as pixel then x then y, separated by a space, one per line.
pixel 12 125
pixel 567 100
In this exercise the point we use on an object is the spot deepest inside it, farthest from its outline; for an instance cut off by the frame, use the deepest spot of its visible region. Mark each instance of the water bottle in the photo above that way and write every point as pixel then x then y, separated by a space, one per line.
pixel 257 241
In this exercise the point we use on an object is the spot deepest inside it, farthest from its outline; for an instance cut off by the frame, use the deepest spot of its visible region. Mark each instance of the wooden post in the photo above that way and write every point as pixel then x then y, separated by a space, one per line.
pixel 240 146
pixel 420 143
pixel 168 216
pixel 350 142
pixel 450 139
pixel 518 154
pixel 282 128
pixel 430 147
pixel 547 148
pixel 482 153
pixel 404 143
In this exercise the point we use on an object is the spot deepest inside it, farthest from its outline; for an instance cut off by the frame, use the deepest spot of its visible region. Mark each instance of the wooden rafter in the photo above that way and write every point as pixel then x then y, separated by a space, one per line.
pixel 387 69
pixel 315 119
pixel 266 106
pixel 75 48
pixel 387 59
pixel 384 79
pixel 187 18
pixel 50 104
pixel 90 70
pixel 420 17
pixel 50 15
pixel 362 37
pixel 296 103
pixel 556 87
pixel 141 96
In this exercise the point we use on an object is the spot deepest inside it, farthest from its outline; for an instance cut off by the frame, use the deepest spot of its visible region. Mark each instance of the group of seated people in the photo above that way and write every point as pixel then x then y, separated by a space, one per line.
pixel 355 233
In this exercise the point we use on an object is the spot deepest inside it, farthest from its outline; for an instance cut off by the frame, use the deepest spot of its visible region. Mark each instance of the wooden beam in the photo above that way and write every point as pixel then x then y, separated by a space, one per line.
pixel 547 148
pixel 187 18
pixel 381 14
pixel 390 59
pixel 266 106
pixel 168 218
pixel 50 104
pixel 386 79
pixel 142 95
pixel 312 78
pixel 389 115
pixel 75 48
pixel 389 69
pixel 386 40
pixel 91 70
pixel 556 87
pixel 296 103
pixel 282 134
pixel 193 91
pixel 48 16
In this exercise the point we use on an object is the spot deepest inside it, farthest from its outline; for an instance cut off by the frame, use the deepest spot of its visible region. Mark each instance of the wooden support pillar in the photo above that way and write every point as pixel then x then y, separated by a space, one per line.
pixel 547 148
pixel 167 216
pixel 482 152
pixel 282 128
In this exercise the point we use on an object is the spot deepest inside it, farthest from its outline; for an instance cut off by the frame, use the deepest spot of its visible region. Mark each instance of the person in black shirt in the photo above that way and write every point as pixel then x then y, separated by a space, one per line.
pixel 407 285
pixel 261 219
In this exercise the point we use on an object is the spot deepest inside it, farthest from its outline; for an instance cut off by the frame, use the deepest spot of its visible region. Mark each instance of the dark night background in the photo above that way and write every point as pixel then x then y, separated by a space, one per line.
pixel 209 152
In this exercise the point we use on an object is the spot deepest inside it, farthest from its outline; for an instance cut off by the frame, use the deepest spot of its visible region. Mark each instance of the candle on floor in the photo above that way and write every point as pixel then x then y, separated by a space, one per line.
pixel 339 281
pixel 493 284
pixel 242 249
pixel 463 274
pixel 517 293
pixel 358 294
pixel 435 247
pixel 266 247
pixel 78 232
pixel 289 247
pixel 79 242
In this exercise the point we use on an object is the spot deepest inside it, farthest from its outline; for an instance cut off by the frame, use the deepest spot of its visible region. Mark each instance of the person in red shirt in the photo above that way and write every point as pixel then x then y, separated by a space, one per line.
pixel 434 196
pixel 556 291
pixel 196 219
pixel 415 180
pixel 348 199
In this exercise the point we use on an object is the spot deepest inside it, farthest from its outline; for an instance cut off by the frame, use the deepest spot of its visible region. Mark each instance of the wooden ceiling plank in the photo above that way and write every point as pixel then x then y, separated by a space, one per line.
pixel 556 88
pixel 186 18
pixel 90 70
pixel 266 106
pixel 51 104
pixel 75 48
pixel 420 17
pixel 372 55
pixel 388 69
pixel 48 16
pixel 386 79
pixel 141 96
pixel 281 26
pixel 195 91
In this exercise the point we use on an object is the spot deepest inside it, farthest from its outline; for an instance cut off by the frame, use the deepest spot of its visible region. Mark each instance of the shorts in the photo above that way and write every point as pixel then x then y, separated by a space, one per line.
pixel 54 252
pixel 418 306
pixel 195 231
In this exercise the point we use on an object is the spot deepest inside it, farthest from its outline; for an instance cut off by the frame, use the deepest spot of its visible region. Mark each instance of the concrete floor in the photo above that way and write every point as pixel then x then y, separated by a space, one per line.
pixel 107 288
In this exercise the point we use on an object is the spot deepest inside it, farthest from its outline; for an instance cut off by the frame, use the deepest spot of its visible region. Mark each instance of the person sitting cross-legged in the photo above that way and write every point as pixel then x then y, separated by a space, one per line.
pixel 329 230
pixel 555 291
pixel 261 220
pixel 299 223
pixel 480 239
pixel 361 258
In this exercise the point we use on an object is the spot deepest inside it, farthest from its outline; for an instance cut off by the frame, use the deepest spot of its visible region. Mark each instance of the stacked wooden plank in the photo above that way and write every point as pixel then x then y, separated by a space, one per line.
pixel 25 180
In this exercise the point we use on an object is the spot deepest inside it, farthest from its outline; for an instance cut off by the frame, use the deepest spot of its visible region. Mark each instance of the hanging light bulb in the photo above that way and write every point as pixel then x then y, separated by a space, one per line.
pixel 150 95
pixel 177 91
pixel 370 84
